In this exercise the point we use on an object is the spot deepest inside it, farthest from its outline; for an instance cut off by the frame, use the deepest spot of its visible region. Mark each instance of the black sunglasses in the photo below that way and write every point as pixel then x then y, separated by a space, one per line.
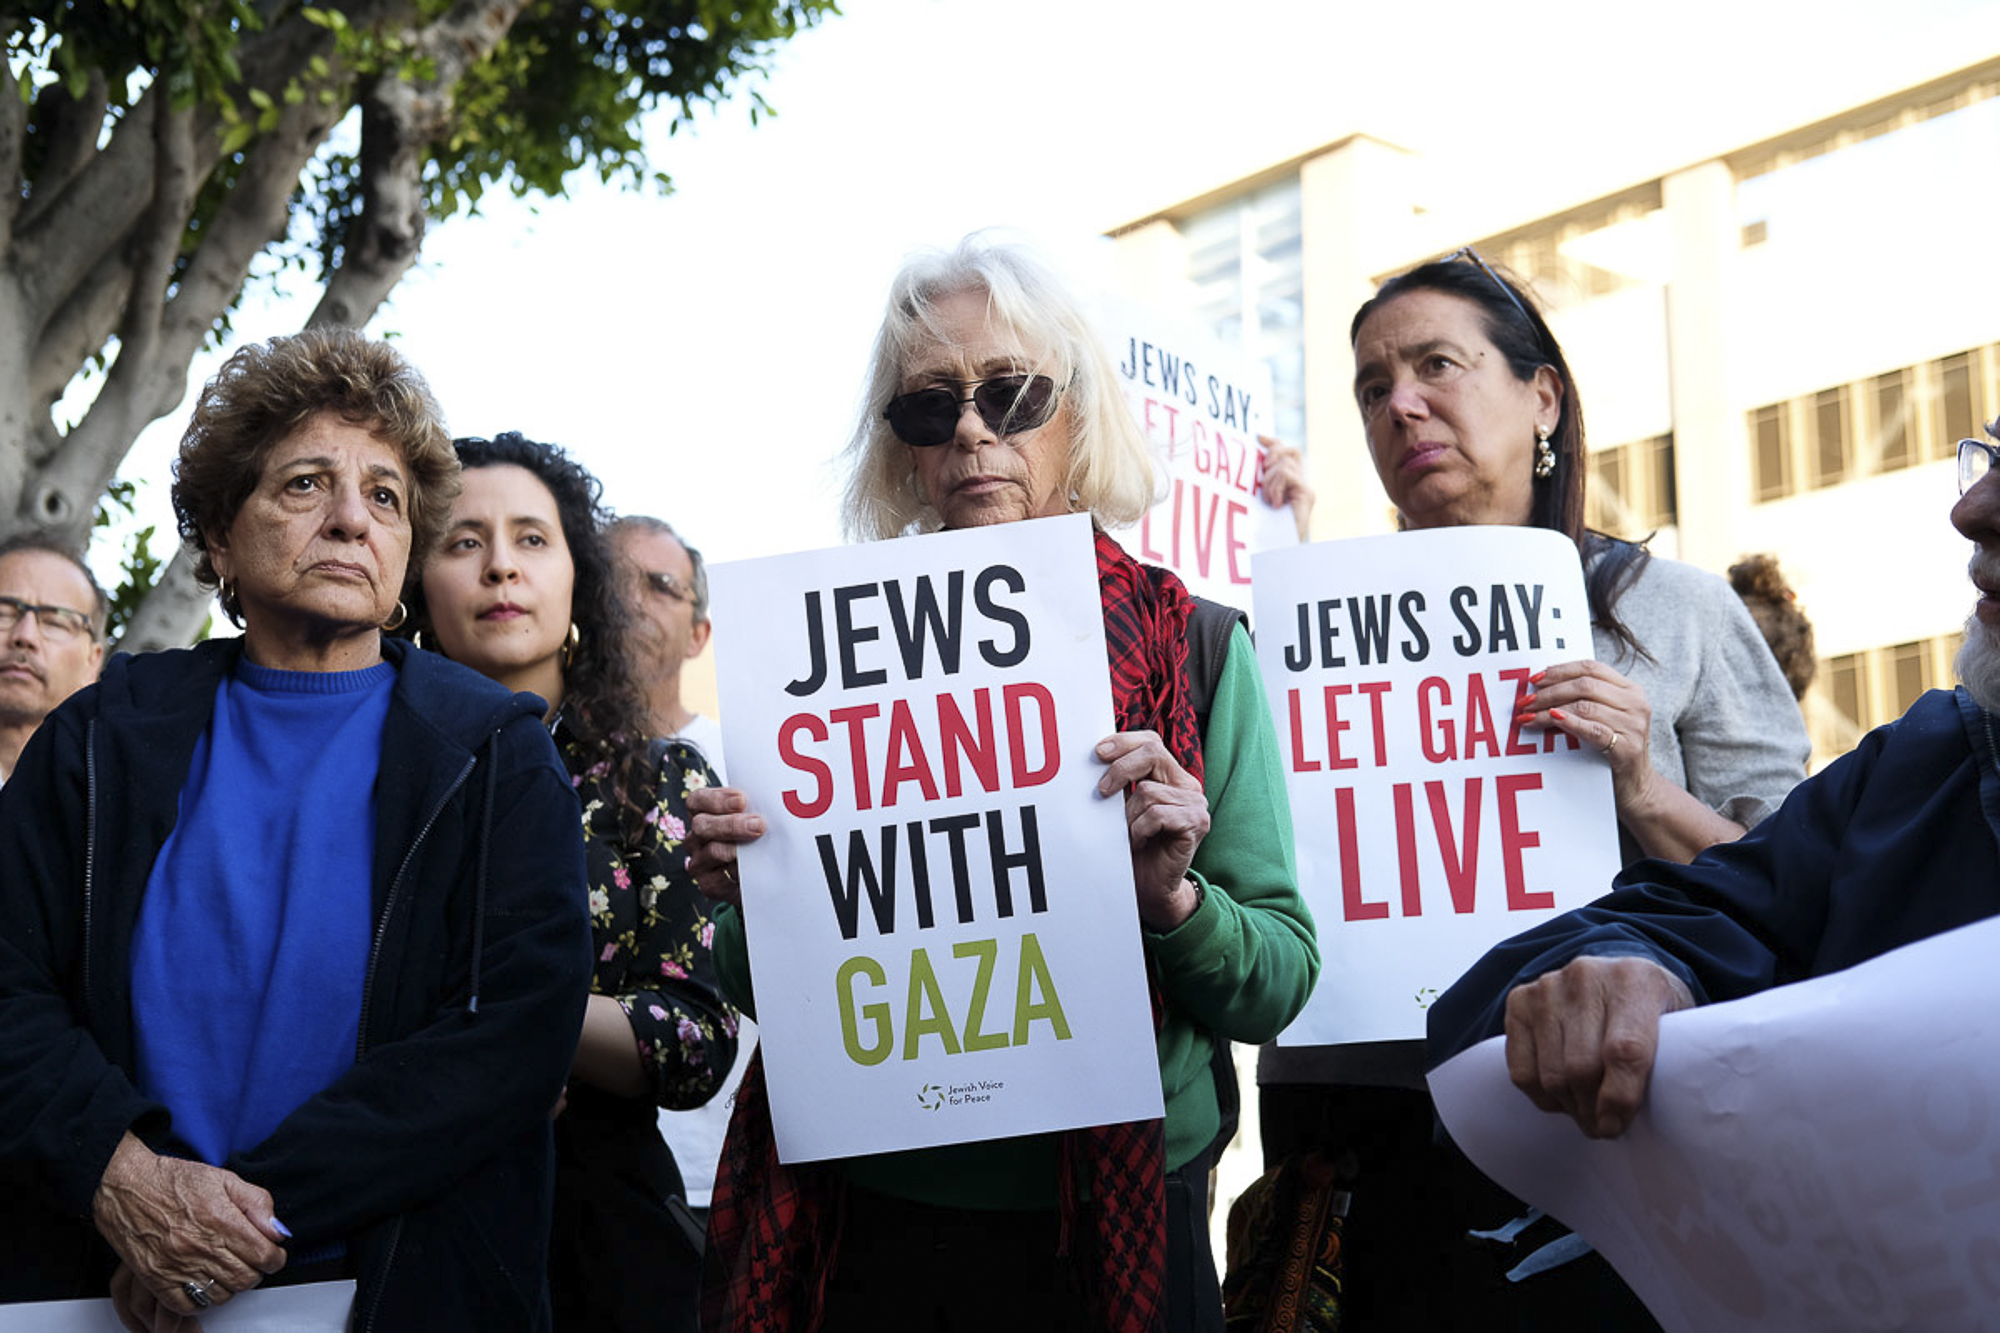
pixel 1008 404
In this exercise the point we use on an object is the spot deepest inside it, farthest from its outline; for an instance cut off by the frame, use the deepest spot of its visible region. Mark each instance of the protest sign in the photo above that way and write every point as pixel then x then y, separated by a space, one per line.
pixel 1825 1155
pixel 1202 407
pixel 311 1307
pixel 943 929
pixel 1429 823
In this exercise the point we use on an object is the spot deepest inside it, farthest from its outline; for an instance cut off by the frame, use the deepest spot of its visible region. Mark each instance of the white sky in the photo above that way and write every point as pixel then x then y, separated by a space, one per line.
pixel 703 352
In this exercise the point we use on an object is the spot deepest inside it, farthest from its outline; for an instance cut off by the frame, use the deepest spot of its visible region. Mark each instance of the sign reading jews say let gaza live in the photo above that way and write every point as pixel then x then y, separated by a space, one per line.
pixel 1203 409
pixel 1430 824
pixel 944 936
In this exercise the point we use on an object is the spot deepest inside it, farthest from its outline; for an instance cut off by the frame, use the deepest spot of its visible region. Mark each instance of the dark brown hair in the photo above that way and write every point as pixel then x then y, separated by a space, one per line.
pixel 268 390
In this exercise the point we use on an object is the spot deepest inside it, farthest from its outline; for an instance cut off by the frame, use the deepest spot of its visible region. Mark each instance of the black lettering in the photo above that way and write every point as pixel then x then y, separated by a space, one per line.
pixel 982 596
pixel 1029 858
pixel 850 634
pixel 816 646
pixel 944 625
pixel 845 890
pixel 1531 609
pixel 1369 618
pixel 1329 632
pixel 1418 646
pixel 955 827
pixel 1299 656
pixel 1463 598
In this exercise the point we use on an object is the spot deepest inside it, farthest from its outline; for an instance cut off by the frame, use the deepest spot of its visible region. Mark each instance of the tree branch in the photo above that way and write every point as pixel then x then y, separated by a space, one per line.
pixel 173 611
pixel 64 239
pixel 67 486
pixel 399 119
pixel 74 126
pixel 79 328
pixel 13 131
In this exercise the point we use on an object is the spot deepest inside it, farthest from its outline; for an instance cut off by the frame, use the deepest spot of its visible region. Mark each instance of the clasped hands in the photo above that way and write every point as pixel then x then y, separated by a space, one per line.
pixel 174 1223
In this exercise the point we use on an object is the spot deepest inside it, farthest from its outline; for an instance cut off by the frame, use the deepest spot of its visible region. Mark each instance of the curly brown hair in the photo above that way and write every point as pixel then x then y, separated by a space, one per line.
pixel 267 390
pixel 1775 607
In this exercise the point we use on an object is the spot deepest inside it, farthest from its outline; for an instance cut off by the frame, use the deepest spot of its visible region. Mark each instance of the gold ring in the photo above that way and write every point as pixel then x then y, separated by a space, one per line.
pixel 1615 738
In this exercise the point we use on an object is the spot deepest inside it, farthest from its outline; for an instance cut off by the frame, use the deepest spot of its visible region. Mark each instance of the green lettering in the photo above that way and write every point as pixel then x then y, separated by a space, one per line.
pixel 876 1013
pixel 924 991
pixel 1035 974
pixel 985 951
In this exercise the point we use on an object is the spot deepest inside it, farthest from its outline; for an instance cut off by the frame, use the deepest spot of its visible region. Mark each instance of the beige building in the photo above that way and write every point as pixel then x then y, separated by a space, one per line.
pixel 1777 348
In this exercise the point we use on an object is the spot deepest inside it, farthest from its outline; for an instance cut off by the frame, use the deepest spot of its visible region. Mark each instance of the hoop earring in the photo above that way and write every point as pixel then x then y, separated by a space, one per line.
pixel 232 606
pixel 1545 456
pixel 571 644
pixel 396 622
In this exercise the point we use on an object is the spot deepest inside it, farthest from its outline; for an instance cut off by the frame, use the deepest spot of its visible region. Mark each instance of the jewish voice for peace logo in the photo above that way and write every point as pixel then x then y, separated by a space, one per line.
pixel 930 1097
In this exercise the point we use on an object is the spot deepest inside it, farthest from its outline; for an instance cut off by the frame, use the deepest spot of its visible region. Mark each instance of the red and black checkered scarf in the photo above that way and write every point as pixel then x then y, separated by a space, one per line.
pixel 774 1230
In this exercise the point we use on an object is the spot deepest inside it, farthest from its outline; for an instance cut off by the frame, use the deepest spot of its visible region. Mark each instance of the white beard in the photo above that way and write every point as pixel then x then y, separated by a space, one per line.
pixel 1978 664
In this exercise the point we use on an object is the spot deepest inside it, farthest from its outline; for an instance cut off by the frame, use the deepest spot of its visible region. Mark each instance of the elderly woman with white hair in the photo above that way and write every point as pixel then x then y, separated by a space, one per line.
pixel 991 401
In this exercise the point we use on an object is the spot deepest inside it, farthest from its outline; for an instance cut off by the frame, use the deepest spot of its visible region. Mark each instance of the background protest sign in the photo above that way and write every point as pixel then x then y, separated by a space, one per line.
pixel 944 934
pixel 1429 824
pixel 1825 1155
pixel 1202 407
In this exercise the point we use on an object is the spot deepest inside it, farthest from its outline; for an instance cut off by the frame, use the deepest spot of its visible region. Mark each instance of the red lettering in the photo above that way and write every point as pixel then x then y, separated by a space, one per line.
pixel 1204 531
pixel 1514 840
pixel 1461 861
pixel 1551 735
pixel 821 775
pixel 857 745
pixel 1238 573
pixel 1201 450
pixel 1479 728
pixel 1334 726
pixel 1375 689
pixel 1406 851
pixel 1300 764
pixel 1045 706
pixel 1352 906
pixel 1439 740
pixel 960 740
pixel 1519 675
pixel 907 761
pixel 1175 560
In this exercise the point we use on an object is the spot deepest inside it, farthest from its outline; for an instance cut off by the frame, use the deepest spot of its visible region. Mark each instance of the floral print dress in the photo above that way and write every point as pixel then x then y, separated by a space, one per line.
pixel 623 1254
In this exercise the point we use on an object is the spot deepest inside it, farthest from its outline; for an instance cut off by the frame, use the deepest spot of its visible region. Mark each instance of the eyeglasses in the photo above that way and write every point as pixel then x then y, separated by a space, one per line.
pixel 1975 459
pixel 58 622
pixel 1466 254
pixel 1008 404
pixel 668 586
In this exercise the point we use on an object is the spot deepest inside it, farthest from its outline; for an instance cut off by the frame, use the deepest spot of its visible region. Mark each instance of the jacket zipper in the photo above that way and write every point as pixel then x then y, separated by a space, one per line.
pixel 89 846
pixel 368 994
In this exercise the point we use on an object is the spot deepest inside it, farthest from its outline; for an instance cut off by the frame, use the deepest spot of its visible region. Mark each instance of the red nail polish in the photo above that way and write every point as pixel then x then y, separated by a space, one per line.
pixel 1557 714
pixel 1537 678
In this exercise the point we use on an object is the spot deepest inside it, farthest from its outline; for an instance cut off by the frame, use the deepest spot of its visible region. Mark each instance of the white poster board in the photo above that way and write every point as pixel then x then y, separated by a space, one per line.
pixel 944 935
pixel 310 1307
pixel 1822 1156
pixel 1429 824
pixel 1202 407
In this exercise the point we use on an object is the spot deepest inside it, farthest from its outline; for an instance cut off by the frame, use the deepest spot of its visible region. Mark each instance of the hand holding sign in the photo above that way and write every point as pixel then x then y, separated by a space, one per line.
pixel 1581 1039
pixel 1166 815
pixel 722 822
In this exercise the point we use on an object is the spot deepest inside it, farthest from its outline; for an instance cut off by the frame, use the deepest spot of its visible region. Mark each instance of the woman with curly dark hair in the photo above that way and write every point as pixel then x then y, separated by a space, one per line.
pixel 521 588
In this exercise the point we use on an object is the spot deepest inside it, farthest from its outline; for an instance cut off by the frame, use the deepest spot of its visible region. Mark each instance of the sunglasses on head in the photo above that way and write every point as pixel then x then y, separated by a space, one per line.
pixel 1008 404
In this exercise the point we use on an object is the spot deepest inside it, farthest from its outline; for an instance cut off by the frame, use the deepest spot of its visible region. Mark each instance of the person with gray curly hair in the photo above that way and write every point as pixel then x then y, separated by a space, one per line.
pixel 293 940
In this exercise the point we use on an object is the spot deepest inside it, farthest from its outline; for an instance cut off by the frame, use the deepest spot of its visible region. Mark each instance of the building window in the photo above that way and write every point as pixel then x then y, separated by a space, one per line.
pixel 1631 488
pixel 1829 418
pixel 1956 417
pixel 1913 414
pixel 1891 443
pixel 1856 692
pixel 1770 441
pixel 1246 259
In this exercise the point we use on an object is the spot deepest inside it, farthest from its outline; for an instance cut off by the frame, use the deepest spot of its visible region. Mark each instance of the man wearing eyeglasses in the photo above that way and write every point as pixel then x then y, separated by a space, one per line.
pixel 51 635
pixel 673 599
pixel 1892 843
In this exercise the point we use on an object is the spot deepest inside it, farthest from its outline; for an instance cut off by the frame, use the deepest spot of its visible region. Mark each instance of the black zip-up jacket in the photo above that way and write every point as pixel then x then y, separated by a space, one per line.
pixel 430 1157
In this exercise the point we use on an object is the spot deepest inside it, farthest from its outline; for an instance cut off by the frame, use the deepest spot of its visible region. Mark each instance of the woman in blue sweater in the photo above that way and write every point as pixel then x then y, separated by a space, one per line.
pixel 292 947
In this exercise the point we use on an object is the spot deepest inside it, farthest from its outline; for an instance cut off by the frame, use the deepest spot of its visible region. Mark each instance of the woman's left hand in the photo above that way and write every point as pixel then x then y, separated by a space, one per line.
pixel 1605 711
pixel 141 1311
pixel 1166 817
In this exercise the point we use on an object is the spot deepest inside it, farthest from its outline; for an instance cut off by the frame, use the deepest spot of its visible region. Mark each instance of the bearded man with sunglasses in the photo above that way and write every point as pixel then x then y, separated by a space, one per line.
pixel 51 634
pixel 992 401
